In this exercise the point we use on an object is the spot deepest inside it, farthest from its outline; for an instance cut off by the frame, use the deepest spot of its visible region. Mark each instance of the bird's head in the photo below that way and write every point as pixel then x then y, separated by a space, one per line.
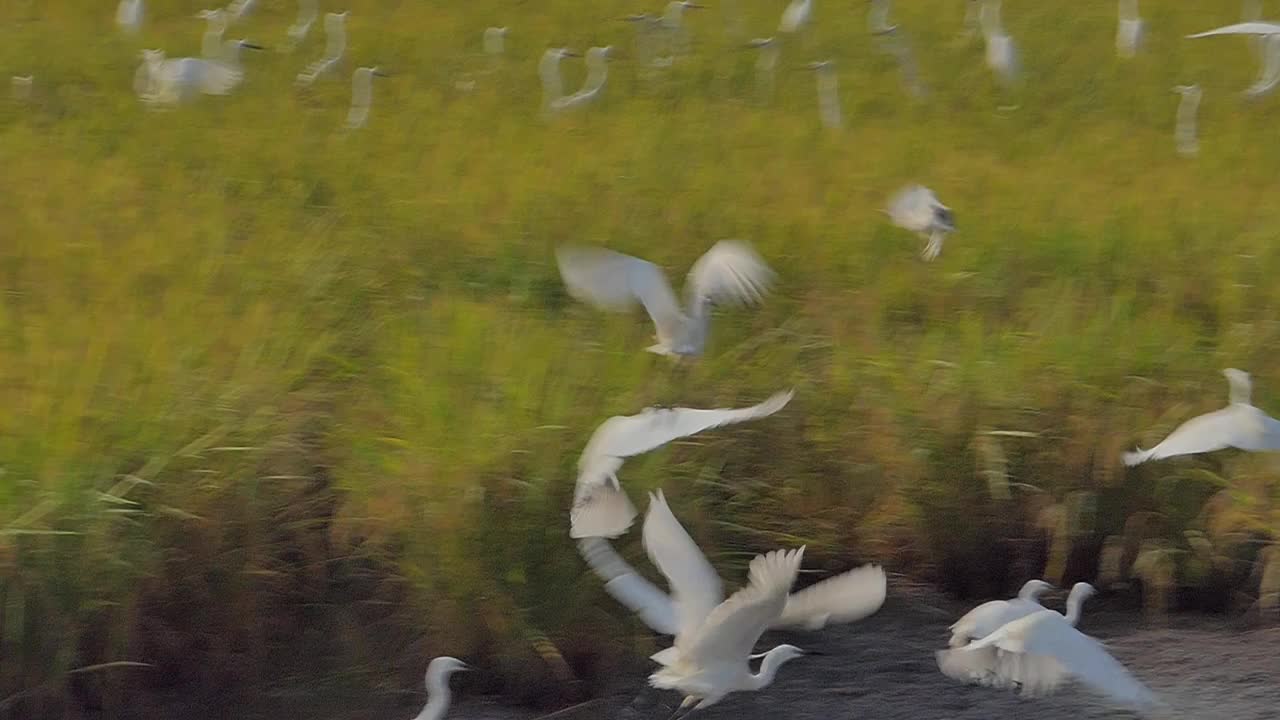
pixel 759 42
pixel 944 216
pixel 1083 591
pixel 444 666
pixel 1034 589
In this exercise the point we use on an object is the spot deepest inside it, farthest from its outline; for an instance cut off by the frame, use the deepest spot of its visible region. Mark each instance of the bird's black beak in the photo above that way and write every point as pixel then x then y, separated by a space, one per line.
pixel 251 46
pixel 379 73
pixel 815 652
pixel 573 54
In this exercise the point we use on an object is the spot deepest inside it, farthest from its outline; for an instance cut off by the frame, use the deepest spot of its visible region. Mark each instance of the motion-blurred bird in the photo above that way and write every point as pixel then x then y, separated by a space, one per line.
pixel 828 94
pixel 211 46
pixel 437 682
pixel 181 79
pixel 1239 425
pixel 308 10
pixel 796 17
pixel 600 507
pixel 730 271
pixel 1268 36
pixel 552 82
pixel 361 95
pixel 129 16
pixel 597 60
pixel 1002 56
pixel 1185 130
pixel 1129 30
pixel 335 44
pixel 917 209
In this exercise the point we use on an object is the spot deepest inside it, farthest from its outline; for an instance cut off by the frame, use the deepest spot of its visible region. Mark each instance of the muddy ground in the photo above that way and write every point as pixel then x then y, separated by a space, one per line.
pixel 883 669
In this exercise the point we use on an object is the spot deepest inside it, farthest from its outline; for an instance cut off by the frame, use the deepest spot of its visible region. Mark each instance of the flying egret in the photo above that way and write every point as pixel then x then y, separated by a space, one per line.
pixel 796 17
pixel 437 682
pixel 1129 30
pixel 1268 36
pixel 129 15
pixel 845 598
pixel 714 638
pixel 600 507
pixel 1185 131
pixel 335 44
pixel 597 60
pixel 297 32
pixel 211 46
pixel 981 666
pixel 181 79
pixel 361 95
pixel 549 72
pixel 917 209
pixel 828 93
pixel 878 18
pixel 729 271
pixel 1042 651
pixel 1238 425
pixel 766 64
pixel 1002 56
pixel 238 9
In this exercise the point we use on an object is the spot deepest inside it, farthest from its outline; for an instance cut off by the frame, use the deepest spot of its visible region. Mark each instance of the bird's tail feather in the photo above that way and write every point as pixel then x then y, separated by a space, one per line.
pixel 1137 456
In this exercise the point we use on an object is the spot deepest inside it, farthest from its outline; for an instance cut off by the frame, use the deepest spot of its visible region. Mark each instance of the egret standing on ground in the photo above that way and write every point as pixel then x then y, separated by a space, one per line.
pixel 335 44
pixel 1185 131
pixel 828 94
pixel 1002 56
pixel 796 17
pixel 600 507
pixel 297 32
pixel 129 15
pixel 766 65
pixel 437 682
pixel 878 18
pixel 549 72
pixel 1129 30
pixel 597 59
pixel 675 35
pixel 1239 425
pixel 20 87
pixel 917 209
pixel 729 271
pixel 714 639
pixel 361 95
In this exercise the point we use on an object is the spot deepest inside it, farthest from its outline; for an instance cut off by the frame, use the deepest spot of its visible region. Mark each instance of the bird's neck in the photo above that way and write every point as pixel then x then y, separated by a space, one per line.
pixel 768 670
pixel 1074 603
pixel 437 701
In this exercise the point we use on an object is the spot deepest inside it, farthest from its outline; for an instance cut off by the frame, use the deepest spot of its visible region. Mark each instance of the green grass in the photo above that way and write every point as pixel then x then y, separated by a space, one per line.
pixel 266 384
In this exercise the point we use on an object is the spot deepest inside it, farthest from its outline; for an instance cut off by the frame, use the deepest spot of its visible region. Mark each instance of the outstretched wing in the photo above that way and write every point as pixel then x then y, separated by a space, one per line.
pixel 844 598
pixel 1247 28
pixel 613 281
pixel 729 272
pixel 695 586
pixel 731 630
pixel 629 587
pixel 1219 429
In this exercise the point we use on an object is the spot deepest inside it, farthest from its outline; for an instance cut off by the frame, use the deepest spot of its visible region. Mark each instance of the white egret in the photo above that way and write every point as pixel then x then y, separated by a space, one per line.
pixel 1251 11
pixel 238 9
pixel 361 95
pixel 878 18
pixel 20 87
pixel 145 79
pixel 495 40
pixel 597 60
pixel 129 15
pixel 549 72
pixel 1185 131
pixel 766 64
pixel 437 682
pixel 1042 651
pixel 181 79
pixel 896 44
pixel 917 209
pixel 297 32
pixel 796 17
pixel 600 507
pixel 1245 28
pixel 1238 425
pixel 714 638
pixel 828 93
pixel 981 666
pixel 1129 30
pixel 215 25
pixel 1002 56
pixel 335 44
pixel 1268 43
pixel 675 36
pixel 847 597
pixel 729 271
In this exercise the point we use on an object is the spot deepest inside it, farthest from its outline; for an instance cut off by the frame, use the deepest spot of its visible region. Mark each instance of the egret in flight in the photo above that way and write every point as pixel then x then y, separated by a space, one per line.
pixel 729 271
pixel 1129 30
pixel 437 682
pixel 1238 425
pixel 361 95
pixel 600 507
pixel 714 637
pixel 984 619
pixel 845 598
pixel 1268 35
pixel 169 82
pixel 917 209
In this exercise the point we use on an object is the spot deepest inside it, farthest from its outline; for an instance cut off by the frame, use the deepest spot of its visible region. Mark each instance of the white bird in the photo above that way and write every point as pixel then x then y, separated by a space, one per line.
pixel 361 95
pixel 181 79
pixel 675 35
pixel 982 666
pixel 1129 31
pixel 20 87
pixel 495 39
pixel 878 18
pixel 1002 56
pixel 1042 651
pixel 1268 37
pixel 1238 425
pixel 145 80
pixel 729 271
pixel 335 44
pixel 917 209
pixel 1185 131
pixel 796 17
pixel 549 72
pixel 211 46
pixel 845 598
pixel 297 32
pixel 828 94
pixel 971 25
pixel 714 638
pixel 766 64
pixel 129 15
pixel 238 9
pixel 600 507
pixel 597 60
pixel 437 682
pixel 1251 11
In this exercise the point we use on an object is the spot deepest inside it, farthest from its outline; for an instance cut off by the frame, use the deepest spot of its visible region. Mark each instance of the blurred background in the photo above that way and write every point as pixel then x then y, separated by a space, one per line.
pixel 285 403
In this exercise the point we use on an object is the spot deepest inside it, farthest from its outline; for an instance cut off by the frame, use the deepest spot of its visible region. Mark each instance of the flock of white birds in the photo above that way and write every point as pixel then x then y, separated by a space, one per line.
pixel 1014 644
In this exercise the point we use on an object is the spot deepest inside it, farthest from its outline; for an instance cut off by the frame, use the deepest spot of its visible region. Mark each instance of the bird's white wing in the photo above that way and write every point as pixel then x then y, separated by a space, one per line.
pixel 989 617
pixel 628 435
pixel 731 630
pixel 729 271
pixel 1041 651
pixel 601 507
pixel 613 281
pixel 695 586
pixel 847 597
pixel 979 667
pixel 1247 28
pixel 1212 431
pixel 629 587
pixel 912 208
